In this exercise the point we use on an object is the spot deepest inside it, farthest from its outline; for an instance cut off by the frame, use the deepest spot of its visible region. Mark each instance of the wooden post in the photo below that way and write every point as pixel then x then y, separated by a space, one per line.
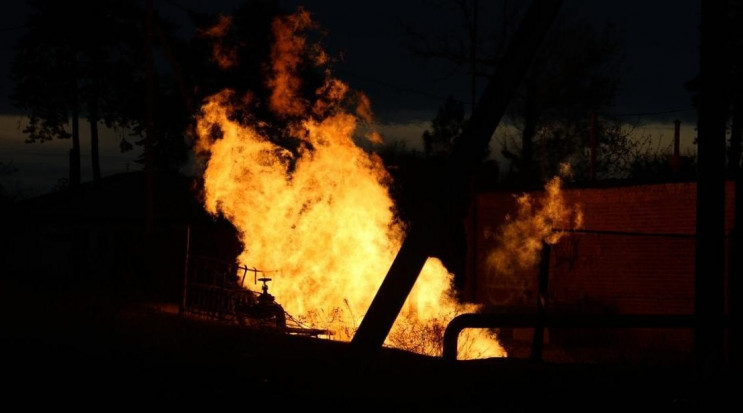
pixel 149 123
pixel 473 54
pixel 593 147
pixel 542 282
pixel 676 157
pixel 184 296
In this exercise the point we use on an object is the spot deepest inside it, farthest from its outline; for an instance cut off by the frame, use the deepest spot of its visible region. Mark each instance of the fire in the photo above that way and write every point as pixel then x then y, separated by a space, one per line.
pixel 537 221
pixel 286 56
pixel 319 218
pixel 223 55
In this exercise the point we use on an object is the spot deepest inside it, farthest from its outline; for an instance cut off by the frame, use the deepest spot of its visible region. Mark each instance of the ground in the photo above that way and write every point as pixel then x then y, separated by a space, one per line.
pixel 68 352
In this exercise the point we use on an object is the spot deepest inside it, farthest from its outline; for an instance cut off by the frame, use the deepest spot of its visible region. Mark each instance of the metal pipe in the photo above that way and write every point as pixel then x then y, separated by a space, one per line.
pixel 593 147
pixel 676 156
pixel 532 320
pixel 185 270
pixel 542 280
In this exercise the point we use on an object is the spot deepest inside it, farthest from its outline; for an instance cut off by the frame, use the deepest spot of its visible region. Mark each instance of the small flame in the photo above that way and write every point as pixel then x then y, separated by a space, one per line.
pixel 521 238
pixel 320 216
pixel 225 56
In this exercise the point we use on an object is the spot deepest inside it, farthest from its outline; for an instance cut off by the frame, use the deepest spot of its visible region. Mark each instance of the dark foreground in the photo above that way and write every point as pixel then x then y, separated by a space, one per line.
pixel 84 356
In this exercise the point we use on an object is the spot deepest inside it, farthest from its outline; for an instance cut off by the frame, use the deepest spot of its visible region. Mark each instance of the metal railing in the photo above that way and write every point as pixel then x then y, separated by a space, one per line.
pixel 540 321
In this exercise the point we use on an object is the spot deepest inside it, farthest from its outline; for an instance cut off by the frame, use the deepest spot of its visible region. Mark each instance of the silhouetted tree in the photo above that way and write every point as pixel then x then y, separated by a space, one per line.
pixel 447 127
pixel 46 76
pixel 575 73
pixel 621 152
pixel 416 178
pixel 84 59
pixel 733 48
pixel 110 62
pixel 736 112
pixel 173 102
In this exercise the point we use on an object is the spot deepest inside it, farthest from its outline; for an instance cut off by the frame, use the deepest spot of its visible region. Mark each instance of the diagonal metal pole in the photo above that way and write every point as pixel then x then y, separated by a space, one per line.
pixel 453 194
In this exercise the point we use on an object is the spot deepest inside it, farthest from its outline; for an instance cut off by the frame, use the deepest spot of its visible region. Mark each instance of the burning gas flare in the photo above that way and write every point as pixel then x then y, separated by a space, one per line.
pixel 537 221
pixel 318 218
pixel 222 54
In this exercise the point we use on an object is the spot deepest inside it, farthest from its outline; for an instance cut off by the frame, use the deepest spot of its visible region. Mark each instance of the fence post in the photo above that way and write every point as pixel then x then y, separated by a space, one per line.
pixel 182 308
pixel 542 280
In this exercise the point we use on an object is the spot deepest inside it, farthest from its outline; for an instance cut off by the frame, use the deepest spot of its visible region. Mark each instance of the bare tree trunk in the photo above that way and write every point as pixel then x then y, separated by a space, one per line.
pixel 149 156
pixel 94 152
pixel 736 133
pixel 75 179
pixel 473 54
pixel 531 117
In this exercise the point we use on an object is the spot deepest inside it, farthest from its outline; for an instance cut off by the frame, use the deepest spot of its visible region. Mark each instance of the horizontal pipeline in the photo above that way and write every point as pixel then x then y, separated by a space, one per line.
pixel 493 320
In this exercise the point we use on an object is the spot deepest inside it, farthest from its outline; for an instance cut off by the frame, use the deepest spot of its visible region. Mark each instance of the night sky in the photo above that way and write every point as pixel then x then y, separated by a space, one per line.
pixel 661 46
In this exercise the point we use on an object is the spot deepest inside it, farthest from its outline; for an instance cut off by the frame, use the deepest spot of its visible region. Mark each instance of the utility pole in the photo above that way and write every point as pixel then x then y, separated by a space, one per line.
pixel 149 123
pixel 735 261
pixel 676 157
pixel 709 299
pixel 593 147
pixel 473 54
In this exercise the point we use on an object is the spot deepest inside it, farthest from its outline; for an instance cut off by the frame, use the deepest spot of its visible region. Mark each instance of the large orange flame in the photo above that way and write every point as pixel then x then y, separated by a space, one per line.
pixel 319 219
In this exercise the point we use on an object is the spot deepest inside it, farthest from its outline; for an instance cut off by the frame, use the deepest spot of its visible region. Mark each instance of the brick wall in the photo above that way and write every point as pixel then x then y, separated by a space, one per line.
pixel 634 253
